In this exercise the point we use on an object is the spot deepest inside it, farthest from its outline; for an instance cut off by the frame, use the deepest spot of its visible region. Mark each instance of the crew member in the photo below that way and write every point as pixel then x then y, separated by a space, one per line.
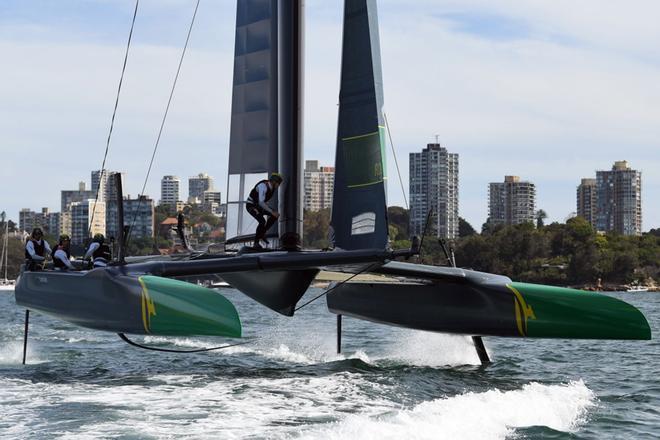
pixel 98 251
pixel 36 250
pixel 62 254
pixel 258 208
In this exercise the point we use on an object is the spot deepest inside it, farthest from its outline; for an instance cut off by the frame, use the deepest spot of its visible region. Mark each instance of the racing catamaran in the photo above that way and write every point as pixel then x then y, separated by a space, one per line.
pixel 141 297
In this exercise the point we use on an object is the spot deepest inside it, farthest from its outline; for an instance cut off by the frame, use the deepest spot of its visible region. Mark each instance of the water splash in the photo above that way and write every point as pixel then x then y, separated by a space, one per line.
pixel 11 353
pixel 432 349
pixel 499 413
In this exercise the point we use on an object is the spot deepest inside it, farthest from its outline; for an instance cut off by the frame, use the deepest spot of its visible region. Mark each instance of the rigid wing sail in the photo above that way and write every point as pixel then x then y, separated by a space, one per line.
pixel 140 296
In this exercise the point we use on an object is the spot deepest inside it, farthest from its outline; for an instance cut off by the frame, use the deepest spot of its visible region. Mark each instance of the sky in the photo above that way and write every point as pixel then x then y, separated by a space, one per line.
pixel 550 91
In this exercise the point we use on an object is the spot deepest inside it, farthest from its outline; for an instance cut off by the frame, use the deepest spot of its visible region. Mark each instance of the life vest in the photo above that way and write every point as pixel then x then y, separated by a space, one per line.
pixel 57 263
pixel 103 251
pixel 254 194
pixel 39 248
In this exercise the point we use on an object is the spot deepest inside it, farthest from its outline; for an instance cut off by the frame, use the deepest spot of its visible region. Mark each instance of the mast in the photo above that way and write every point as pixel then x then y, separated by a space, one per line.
pixel 121 230
pixel 291 25
pixel 5 242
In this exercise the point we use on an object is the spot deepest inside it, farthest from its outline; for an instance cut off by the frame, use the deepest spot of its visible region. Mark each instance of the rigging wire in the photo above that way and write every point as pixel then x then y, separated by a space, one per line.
pixel 168 350
pixel 426 226
pixel 114 113
pixel 162 124
pixel 396 162
pixel 325 292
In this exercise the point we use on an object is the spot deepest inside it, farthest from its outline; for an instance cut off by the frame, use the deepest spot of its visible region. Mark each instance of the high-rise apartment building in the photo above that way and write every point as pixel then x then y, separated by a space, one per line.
pixel 318 186
pixel 104 182
pixel 587 201
pixel 511 202
pixel 70 196
pixel 169 190
pixel 619 199
pixel 65 223
pixel 211 202
pixel 198 184
pixel 49 222
pixel 52 222
pixel 434 186
pixel 87 219
pixel 138 213
pixel 27 220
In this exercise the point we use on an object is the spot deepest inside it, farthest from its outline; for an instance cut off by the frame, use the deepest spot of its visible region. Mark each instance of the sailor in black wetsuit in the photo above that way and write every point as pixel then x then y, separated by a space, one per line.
pixel 62 254
pixel 98 251
pixel 258 208
pixel 36 250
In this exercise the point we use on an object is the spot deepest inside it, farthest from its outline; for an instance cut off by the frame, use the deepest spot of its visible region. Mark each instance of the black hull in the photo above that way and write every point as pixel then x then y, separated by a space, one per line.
pixel 93 299
pixel 466 302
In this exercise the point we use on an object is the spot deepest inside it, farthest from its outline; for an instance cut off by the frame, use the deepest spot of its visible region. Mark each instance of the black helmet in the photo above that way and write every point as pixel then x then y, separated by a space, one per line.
pixel 99 238
pixel 276 177
pixel 64 237
pixel 37 231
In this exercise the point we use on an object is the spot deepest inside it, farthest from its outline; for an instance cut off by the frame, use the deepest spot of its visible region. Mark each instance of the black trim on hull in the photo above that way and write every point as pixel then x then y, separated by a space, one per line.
pixel 447 308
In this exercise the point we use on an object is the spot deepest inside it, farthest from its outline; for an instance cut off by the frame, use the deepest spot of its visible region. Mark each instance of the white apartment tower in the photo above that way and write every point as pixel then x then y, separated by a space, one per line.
pixel 434 186
pixel 169 190
pixel 319 186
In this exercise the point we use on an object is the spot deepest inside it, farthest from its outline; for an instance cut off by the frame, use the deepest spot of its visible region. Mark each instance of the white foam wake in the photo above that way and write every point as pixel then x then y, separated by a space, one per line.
pixel 490 415
pixel 271 349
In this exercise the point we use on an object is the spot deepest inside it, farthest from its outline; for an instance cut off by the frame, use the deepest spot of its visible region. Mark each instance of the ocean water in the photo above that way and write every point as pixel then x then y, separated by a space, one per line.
pixel 290 384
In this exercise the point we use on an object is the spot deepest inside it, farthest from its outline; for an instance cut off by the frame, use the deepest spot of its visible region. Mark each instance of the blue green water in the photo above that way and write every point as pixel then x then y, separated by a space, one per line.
pixel 289 383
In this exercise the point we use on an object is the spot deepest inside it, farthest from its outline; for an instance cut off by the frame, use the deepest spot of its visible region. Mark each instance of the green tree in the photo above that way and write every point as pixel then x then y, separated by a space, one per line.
pixel 15 255
pixel 398 217
pixel 541 215
pixel 315 228
pixel 465 229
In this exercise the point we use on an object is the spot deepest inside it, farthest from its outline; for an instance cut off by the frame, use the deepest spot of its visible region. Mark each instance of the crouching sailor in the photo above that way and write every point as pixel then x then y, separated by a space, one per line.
pixel 99 252
pixel 257 207
pixel 36 250
pixel 62 254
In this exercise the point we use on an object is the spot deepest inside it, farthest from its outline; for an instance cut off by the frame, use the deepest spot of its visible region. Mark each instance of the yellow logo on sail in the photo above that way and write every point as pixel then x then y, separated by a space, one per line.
pixel 523 311
pixel 148 307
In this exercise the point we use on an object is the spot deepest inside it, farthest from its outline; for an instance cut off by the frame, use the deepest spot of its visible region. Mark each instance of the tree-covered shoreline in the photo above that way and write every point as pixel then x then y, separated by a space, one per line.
pixel 563 254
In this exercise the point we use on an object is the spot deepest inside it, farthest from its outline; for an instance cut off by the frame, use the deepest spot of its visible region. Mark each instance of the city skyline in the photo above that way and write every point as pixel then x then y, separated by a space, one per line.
pixel 500 93
pixel 498 212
